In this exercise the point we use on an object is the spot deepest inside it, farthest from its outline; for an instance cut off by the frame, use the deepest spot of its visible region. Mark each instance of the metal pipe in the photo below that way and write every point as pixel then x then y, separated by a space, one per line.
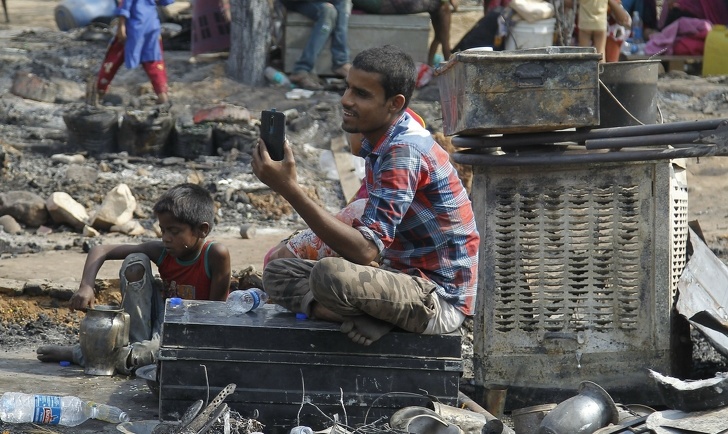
pixel 506 140
pixel 471 405
pixel 580 156
pixel 492 425
pixel 637 141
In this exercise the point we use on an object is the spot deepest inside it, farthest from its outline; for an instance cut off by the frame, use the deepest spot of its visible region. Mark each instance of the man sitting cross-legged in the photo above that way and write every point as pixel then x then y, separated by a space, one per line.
pixel 417 225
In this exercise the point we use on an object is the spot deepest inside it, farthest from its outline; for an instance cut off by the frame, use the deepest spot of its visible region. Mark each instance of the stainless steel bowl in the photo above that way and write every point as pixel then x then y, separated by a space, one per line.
pixel 527 420
pixel 149 373
pixel 584 413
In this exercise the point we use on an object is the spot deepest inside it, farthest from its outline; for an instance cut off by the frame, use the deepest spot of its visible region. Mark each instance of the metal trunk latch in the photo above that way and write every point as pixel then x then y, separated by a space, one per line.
pixel 530 75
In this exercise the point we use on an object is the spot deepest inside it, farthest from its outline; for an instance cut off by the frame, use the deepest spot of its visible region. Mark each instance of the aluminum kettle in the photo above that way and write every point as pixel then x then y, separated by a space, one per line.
pixel 103 333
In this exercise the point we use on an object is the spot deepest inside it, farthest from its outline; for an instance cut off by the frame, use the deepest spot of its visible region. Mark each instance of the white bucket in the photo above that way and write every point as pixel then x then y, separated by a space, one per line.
pixel 531 35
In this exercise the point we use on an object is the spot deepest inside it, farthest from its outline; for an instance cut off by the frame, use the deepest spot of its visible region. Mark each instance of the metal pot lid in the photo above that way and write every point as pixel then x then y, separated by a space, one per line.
pixel 147 372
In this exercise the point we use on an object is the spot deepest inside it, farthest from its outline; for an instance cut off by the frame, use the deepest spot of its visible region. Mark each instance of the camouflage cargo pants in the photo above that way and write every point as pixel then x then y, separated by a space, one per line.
pixel 350 289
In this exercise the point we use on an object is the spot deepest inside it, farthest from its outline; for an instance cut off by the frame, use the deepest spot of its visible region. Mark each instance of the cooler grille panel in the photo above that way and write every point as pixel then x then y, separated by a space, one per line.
pixel 567 259
pixel 578 274
pixel 679 233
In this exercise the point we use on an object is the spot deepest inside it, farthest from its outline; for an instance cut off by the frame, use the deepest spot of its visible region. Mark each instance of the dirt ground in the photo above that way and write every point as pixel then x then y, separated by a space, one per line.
pixel 45 319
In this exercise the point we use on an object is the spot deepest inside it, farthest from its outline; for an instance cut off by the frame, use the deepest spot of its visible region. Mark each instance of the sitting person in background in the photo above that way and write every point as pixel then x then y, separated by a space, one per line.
pixel 331 19
pixel 440 15
pixel 190 267
pixel 713 11
pixel 684 27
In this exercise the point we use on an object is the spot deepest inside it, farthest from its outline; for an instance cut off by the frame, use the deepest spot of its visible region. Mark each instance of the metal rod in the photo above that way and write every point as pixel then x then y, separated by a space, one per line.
pixel 580 136
pixel 637 141
pixel 474 406
pixel 580 156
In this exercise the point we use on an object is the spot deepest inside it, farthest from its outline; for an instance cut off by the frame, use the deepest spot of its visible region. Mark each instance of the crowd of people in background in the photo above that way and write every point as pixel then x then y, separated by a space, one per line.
pixel 613 27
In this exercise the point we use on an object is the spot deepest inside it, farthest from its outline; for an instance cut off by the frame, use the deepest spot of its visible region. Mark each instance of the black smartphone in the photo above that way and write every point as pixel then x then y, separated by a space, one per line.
pixel 273 132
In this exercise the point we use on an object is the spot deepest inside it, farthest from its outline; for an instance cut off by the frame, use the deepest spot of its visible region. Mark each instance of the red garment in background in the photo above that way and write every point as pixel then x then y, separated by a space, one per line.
pixel 613 46
pixel 686 36
pixel 115 57
pixel 496 3
pixel 715 11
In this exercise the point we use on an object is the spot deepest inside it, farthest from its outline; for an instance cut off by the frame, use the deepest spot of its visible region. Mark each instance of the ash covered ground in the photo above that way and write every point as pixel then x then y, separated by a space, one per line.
pixel 32 131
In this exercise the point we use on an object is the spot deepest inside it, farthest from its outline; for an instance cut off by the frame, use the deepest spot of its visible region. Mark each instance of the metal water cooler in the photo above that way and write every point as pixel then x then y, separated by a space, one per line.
pixel 578 275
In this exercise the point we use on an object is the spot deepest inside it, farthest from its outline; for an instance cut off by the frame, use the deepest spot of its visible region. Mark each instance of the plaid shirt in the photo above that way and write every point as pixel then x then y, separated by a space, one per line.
pixel 419 214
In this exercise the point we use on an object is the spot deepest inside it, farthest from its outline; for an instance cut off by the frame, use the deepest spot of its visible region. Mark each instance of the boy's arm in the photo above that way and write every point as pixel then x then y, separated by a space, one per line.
pixel 84 297
pixel 621 16
pixel 219 261
pixel 121 30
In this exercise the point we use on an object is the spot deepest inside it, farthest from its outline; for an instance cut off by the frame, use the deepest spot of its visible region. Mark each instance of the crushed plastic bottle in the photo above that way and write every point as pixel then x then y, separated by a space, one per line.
pixel 245 300
pixel 18 407
pixel 276 77
pixel 301 430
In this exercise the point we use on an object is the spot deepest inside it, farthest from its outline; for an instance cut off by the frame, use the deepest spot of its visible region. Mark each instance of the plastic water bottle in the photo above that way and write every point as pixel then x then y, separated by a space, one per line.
pixel 245 300
pixel 637 36
pixel 276 77
pixel 637 29
pixel 301 430
pixel 18 407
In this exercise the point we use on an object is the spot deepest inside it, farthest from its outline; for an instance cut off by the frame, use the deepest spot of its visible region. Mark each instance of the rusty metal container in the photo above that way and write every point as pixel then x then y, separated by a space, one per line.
pixel 521 91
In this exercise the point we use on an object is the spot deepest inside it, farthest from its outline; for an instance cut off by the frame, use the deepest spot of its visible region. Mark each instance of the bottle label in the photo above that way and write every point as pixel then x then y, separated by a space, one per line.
pixel 47 409
pixel 256 299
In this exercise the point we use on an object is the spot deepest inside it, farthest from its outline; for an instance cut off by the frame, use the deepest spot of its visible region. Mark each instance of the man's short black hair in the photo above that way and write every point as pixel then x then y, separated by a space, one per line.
pixel 188 203
pixel 395 67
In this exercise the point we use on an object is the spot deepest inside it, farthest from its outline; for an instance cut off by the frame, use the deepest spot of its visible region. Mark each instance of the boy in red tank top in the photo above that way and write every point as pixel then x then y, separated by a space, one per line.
pixel 190 267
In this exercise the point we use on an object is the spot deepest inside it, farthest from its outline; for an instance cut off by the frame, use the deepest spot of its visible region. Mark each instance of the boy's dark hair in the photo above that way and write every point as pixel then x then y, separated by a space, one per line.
pixel 396 70
pixel 188 203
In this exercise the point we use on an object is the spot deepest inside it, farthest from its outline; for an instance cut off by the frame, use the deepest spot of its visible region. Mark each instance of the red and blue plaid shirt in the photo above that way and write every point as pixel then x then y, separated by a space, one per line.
pixel 419 214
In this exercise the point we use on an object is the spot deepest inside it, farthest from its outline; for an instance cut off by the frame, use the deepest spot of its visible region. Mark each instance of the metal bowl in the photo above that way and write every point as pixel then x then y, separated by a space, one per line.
pixel 149 373
pixel 584 413
pixel 527 420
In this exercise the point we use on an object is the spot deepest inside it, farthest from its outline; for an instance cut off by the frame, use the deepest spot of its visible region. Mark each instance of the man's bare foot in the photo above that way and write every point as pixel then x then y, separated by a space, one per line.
pixel 365 329
pixel 324 314
pixel 54 353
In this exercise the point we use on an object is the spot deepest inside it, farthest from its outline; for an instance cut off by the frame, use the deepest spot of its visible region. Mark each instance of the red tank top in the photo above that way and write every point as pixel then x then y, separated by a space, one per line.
pixel 186 279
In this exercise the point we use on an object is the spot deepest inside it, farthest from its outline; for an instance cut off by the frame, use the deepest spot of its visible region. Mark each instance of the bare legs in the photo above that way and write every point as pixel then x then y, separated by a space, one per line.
pixel 441 20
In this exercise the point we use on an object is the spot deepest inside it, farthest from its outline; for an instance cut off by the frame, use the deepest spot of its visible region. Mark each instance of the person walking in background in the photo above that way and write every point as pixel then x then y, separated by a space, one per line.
pixel 137 40
pixel 331 18
pixel 592 23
